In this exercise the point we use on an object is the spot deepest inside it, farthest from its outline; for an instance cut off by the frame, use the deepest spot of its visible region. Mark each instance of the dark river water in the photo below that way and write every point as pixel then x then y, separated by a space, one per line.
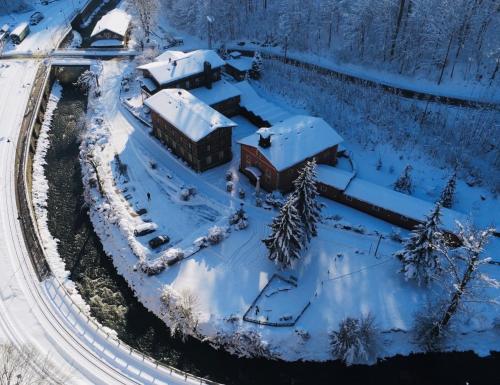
pixel 114 305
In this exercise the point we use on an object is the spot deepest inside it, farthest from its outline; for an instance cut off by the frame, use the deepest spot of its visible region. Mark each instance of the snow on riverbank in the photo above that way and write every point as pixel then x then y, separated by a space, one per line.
pixel 340 275
pixel 40 191
pixel 40 187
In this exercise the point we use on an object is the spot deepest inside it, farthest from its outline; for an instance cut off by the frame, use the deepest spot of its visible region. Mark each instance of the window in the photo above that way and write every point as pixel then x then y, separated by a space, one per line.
pixel 208 147
pixel 209 159
pixel 221 155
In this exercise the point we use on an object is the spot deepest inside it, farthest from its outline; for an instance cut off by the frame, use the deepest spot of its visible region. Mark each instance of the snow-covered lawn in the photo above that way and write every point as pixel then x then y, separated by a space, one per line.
pixel 339 273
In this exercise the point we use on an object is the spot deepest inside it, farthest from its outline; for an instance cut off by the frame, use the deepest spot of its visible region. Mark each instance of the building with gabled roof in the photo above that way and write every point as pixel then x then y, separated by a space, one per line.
pixel 190 70
pixel 275 154
pixel 190 128
pixel 111 30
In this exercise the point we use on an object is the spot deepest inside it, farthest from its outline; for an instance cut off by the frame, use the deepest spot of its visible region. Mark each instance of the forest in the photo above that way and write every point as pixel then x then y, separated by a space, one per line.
pixel 439 39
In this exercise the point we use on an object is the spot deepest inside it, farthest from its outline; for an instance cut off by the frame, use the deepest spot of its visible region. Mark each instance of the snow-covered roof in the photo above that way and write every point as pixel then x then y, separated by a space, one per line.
pixel 252 102
pixel 187 113
pixel 107 43
pixel 294 140
pixel 243 63
pixel 19 29
pixel 220 91
pixel 384 197
pixel 165 72
pixel 116 21
pixel 171 55
pixel 148 84
pixel 334 176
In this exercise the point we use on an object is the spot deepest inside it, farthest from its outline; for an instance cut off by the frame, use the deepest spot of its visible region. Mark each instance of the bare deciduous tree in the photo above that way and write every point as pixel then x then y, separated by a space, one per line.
pixel 25 366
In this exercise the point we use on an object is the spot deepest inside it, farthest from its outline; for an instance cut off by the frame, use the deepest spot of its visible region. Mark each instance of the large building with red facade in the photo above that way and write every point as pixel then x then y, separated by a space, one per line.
pixel 274 155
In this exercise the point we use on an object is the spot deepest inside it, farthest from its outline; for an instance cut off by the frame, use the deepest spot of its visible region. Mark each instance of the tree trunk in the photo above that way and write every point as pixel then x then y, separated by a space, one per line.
pixel 398 26
pixel 445 60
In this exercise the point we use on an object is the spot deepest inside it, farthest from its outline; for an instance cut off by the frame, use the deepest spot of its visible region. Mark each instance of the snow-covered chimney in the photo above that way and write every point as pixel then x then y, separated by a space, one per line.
pixel 264 140
pixel 207 71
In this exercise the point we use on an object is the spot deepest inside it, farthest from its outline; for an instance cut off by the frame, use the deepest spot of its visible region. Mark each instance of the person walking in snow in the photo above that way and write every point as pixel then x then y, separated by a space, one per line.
pixel 149 196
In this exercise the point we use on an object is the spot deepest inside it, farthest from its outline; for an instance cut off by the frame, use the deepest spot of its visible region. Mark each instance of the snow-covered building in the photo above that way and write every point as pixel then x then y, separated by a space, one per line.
pixel 200 68
pixel 111 30
pixel 274 155
pixel 223 97
pixel 392 206
pixel 191 128
pixel 238 65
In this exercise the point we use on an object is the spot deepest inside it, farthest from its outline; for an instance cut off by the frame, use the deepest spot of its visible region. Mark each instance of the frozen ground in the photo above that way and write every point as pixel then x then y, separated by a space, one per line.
pixel 340 274
pixel 454 89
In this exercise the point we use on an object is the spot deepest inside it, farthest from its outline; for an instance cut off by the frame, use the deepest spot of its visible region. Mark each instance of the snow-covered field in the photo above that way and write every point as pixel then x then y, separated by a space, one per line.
pixel 340 275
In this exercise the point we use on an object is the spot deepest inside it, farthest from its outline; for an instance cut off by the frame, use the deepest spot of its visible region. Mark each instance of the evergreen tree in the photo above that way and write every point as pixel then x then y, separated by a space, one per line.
pixel 306 204
pixel 404 183
pixel 420 254
pixel 285 241
pixel 257 66
pixel 448 193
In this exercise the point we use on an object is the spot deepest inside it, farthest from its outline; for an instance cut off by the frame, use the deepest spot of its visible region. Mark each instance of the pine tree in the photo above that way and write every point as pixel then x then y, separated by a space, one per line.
pixel 306 204
pixel 420 257
pixel 285 241
pixel 448 193
pixel 404 183
pixel 257 66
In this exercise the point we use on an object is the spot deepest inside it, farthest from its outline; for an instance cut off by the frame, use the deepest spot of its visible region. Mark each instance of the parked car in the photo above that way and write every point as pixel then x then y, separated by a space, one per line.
pixel 36 18
pixel 144 229
pixel 158 241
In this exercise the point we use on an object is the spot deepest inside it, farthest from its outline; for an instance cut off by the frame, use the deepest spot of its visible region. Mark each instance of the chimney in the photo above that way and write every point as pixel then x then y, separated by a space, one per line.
pixel 207 72
pixel 264 140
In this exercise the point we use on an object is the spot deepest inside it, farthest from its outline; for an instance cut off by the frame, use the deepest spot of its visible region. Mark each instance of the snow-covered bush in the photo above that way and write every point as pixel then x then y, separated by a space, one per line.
pixel 201 242
pixel 180 311
pixel 426 320
pixel 404 183
pixel 185 195
pixel 229 186
pixel 239 219
pixel 356 341
pixel 241 193
pixel 215 235
pixel 152 267
pixel 229 175
pixel 242 343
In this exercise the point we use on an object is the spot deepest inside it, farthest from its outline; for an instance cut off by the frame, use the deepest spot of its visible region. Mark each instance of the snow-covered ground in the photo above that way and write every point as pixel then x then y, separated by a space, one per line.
pixel 48 33
pixel 452 89
pixel 340 275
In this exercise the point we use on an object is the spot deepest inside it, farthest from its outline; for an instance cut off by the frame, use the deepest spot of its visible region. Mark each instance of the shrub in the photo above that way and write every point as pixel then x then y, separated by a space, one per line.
pixel 356 340
pixel 215 235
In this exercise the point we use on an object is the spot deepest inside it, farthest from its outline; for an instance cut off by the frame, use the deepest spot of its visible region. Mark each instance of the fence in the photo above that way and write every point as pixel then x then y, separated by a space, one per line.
pixel 30 230
pixel 274 324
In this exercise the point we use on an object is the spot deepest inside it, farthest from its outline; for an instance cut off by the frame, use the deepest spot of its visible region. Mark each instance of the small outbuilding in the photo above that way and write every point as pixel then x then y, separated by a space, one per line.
pixel 192 129
pixel 112 30
pixel 277 153
pixel 238 65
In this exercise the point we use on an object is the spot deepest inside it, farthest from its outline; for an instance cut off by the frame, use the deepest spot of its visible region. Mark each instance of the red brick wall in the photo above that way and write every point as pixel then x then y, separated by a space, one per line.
pixel 272 179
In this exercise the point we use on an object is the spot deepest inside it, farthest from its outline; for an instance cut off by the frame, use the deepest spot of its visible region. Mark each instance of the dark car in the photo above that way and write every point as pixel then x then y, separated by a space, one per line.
pixel 36 18
pixel 158 241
